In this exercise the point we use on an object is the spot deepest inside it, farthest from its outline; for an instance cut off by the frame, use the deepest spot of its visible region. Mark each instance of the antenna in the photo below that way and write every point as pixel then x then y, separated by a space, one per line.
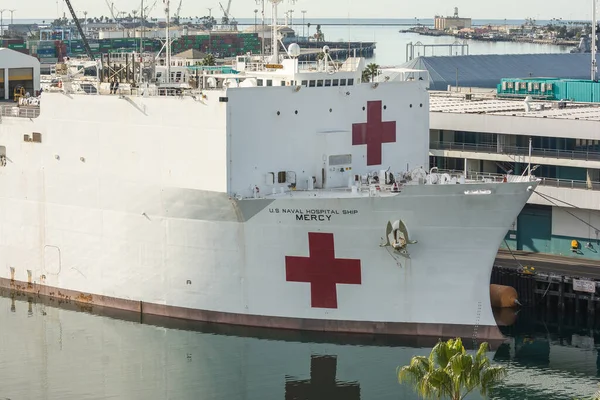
pixel 168 43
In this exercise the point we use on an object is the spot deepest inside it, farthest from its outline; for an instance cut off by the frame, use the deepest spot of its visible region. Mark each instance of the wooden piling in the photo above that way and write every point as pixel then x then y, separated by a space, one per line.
pixel 561 295
pixel 561 300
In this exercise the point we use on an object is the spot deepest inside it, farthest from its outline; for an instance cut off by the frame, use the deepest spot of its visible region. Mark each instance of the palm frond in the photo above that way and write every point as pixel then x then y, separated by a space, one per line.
pixel 490 377
pixel 450 372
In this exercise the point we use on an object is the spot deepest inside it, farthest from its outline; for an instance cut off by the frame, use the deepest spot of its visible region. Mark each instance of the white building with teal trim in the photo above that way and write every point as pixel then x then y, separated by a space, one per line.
pixel 489 137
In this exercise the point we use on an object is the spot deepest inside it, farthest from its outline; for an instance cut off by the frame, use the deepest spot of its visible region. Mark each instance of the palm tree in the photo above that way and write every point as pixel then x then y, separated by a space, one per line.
pixel 370 72
pixel 209 60
pixel 450 372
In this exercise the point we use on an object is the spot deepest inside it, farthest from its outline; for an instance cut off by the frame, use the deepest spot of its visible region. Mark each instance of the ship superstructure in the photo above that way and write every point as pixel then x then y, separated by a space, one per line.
pixel 275 194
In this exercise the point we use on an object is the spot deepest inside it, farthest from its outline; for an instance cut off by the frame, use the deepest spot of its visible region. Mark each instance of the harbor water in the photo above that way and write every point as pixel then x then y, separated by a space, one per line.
pixel 391 44
pixel 73 352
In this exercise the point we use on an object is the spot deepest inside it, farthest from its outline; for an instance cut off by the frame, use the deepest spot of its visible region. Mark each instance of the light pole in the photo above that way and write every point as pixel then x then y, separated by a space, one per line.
pixel 255 19
pixel 594 22
pixel 303 16
pixel 11 15
pixel 2 22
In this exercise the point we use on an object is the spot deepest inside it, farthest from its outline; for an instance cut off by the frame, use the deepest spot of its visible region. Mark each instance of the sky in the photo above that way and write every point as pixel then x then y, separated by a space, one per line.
pixel 478 9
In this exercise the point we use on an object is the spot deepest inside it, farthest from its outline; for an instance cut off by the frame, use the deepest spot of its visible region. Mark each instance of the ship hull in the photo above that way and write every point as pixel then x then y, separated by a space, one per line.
pixel 204 256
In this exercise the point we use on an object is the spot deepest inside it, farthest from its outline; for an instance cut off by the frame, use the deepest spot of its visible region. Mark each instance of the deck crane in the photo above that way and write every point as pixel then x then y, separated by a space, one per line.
pixel 86 45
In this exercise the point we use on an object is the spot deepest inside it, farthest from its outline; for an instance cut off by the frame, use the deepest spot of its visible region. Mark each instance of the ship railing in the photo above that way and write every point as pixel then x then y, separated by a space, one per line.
pixel 582 155
pixel 486 177
pixel 149 91
pixel 550 182
pixel 19 112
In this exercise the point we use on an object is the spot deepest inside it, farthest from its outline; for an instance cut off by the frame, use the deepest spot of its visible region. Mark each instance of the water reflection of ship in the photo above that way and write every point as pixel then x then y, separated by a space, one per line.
pixel 542 367
pixel 165 358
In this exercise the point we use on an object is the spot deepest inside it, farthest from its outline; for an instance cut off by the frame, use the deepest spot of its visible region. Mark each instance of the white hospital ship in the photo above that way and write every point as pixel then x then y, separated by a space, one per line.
pixel 278 194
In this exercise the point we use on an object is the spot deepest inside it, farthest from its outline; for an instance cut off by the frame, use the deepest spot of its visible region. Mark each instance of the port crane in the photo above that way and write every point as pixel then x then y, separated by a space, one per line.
pixel 176 16
pixel 225 19
pixel 148 10
pixel 86 45
pixel 111 8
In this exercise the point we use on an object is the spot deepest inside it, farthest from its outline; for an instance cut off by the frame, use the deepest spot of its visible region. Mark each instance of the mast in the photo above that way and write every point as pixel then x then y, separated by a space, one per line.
pixel 141 27
pixel 141 76
pixel 594 22
pixel 262 48
pixel 168 44
pixel 274 35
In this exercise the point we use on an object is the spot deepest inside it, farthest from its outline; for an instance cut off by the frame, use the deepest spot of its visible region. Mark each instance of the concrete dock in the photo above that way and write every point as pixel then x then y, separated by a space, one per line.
pixel 549 264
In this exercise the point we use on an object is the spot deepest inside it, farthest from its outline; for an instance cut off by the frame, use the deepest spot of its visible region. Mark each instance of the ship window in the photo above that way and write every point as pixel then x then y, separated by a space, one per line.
pixel 259 82
pixel 270 179
pixel 269 82
pixel 281 177
pixel 327 82
pixel 311 84
pixel 342 82
pixel 336 82
pixel 305 83
pixel 350 82
pixel 340 159
pixel 320 83
pixel 282 83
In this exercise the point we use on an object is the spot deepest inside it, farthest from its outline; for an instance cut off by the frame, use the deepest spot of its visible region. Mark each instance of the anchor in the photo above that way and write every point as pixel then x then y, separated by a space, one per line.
pixel 397 238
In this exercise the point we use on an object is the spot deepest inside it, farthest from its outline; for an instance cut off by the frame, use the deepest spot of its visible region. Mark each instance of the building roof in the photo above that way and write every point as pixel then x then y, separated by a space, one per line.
pixel 485 104
pixel 259 28
pixel 486 71
pixel 486 113
pixel 13 59
pixel 191 54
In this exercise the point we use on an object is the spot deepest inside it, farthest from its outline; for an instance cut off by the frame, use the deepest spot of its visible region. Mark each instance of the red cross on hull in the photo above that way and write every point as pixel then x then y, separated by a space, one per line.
pixel 322 270
pixel 374 133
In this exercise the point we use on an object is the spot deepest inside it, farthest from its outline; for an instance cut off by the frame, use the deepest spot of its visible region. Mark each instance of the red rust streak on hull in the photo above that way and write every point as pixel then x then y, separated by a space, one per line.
pixel 384 328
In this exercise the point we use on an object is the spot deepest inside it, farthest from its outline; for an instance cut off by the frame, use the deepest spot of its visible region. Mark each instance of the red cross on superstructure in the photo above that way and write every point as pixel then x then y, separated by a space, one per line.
pixel 322 270
pixel 374 132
